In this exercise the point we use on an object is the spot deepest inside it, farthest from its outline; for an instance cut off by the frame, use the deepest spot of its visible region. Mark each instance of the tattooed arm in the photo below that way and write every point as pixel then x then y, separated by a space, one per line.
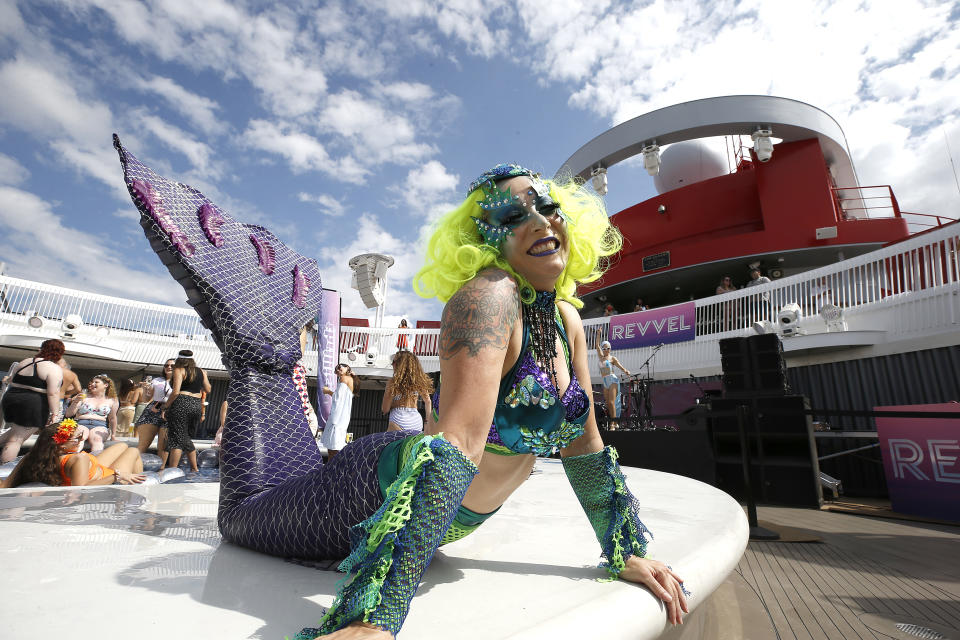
pixel 480 328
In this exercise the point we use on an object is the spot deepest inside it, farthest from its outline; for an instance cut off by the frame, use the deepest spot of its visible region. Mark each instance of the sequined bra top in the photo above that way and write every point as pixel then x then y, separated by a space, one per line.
pixel 529 417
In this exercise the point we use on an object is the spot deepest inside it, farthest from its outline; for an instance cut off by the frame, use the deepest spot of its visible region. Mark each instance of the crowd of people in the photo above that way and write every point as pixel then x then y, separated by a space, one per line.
pixel 725 285
pixel 168 408
pixel 43 393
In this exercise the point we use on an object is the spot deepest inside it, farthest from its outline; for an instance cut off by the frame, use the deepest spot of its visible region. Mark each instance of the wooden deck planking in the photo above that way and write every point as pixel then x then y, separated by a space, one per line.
pixel 902 571
pixel 808 607
pixel 834 605
pixel 770 588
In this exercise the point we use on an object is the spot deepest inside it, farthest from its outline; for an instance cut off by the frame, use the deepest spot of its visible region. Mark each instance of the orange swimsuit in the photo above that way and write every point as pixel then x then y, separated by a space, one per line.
pixel 96 472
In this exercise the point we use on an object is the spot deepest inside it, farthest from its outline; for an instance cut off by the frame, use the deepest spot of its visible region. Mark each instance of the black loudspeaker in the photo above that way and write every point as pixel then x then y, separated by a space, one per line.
pixel 784 467
pixel 753 366
pixel 686 452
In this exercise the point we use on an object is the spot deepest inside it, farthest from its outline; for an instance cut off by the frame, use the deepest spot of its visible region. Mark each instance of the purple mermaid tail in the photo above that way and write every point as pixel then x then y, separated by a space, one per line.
pixel 270 467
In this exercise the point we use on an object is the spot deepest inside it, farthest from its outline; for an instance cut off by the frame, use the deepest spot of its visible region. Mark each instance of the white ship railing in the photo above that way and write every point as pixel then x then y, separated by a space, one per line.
pixel 135 332
pixel 906 290
pixel 909 289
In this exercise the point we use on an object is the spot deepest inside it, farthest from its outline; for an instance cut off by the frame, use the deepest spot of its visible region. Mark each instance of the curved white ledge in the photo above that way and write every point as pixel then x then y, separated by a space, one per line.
pixel 154 554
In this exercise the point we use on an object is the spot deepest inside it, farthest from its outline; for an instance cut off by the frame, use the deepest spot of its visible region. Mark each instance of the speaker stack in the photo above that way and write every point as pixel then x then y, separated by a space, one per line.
pixel 782 450
pixel 753 366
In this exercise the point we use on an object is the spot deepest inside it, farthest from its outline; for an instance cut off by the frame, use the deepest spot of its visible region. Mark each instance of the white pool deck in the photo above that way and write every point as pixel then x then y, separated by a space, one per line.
pixel 148 563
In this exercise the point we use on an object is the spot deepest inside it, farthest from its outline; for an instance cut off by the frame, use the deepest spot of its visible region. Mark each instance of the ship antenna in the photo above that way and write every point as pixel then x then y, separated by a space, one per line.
pixel 946 141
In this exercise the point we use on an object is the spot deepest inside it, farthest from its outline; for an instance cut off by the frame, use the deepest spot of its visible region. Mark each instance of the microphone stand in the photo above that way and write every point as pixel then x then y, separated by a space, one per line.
pixel 703 394
pixel 645 384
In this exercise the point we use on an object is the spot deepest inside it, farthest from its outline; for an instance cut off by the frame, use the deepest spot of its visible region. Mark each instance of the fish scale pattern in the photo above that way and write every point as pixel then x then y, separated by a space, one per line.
pixel 310 516
pixel 276 495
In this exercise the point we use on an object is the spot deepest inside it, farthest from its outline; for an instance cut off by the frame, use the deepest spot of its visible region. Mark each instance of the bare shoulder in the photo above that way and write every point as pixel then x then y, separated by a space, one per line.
pixel 78 460
pixel 571 318
pixel 493 280
pixel 480 315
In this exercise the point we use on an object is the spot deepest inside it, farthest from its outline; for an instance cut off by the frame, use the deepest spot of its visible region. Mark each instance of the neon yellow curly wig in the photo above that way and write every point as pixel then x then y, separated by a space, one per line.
pixel 456 253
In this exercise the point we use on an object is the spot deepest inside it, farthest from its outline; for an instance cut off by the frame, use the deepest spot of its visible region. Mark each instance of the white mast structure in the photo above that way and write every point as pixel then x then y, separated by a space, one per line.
pixel 370 280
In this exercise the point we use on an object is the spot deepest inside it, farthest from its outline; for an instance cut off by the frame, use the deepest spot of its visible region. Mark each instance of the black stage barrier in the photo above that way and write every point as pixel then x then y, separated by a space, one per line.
pixel 685 452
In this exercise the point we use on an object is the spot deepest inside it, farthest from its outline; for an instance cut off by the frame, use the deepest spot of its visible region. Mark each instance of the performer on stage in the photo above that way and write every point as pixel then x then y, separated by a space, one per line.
pixel 388 500
pixel 611 383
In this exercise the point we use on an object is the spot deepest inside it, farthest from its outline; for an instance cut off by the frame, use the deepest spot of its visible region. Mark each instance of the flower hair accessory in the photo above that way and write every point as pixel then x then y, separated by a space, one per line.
pixel 66 429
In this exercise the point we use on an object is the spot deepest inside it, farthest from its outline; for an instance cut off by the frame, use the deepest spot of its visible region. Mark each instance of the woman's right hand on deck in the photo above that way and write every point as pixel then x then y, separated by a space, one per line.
pixel 130 478
pixel 662 582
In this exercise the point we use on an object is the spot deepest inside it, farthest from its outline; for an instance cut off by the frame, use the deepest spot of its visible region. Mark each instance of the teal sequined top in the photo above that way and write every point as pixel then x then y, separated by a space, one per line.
pixel 529 417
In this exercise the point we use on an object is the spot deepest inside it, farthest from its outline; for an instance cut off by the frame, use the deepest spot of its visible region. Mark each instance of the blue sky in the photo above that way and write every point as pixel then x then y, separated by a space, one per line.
pixel 347 129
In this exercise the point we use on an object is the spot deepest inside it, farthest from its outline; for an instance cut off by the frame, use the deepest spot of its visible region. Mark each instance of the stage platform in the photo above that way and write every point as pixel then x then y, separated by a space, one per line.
pixel 148 563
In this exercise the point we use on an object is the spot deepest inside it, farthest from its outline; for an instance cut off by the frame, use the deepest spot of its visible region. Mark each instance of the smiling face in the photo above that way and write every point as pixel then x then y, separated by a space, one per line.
pixel 97 387
pixel 537 247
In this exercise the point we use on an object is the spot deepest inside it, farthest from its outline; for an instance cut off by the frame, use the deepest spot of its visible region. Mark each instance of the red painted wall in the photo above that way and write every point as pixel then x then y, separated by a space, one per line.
pixel 764 207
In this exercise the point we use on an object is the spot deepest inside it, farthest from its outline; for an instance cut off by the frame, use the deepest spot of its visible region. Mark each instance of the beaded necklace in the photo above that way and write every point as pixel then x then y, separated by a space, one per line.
pixel 540 316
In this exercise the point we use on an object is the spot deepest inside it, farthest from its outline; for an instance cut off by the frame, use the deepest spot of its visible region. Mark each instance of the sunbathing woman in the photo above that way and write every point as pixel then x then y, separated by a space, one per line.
pixel 507 349
pixel 57 459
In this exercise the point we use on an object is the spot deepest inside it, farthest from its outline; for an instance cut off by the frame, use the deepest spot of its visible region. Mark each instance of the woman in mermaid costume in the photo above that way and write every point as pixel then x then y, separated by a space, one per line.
pixel 507 347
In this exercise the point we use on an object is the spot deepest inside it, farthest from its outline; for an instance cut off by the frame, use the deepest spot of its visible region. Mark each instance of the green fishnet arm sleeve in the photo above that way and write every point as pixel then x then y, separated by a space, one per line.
pixel 393 547
pixel 602 490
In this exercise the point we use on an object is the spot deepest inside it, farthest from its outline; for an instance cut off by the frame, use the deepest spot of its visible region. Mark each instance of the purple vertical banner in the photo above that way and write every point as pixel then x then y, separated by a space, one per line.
pixel 676 323
pixel 921 461
pixel 328 333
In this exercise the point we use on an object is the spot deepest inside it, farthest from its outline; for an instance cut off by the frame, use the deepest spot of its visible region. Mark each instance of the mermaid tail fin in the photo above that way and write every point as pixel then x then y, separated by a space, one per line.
pixel 255 313
pixel 254 294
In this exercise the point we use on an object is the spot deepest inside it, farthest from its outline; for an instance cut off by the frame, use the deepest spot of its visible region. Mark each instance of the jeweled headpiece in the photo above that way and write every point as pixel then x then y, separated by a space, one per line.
pixel 500 172
pixel 493 198
pixel 65 430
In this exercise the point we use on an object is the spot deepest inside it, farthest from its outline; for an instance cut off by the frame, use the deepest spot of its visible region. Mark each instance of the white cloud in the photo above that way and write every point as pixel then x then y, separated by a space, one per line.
pixel 202 112
pixel 46 105
pixel 198 153
pixel 409 91
pixel 40 247
pixel 41 101
pixel 127 213
pixel 99 162
pixel 383 136
pixel 327 204
pixel 890 78
pixel 12 172
pixel 428 191
pixel 302 151
pixel 266 47
pixel 11 22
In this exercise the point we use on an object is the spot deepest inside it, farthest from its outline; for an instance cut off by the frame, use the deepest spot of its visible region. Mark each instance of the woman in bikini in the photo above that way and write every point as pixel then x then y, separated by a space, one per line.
pixel 57 459
pixel 408 385
pixel 97 410
pixel 611 382
pixel 130 393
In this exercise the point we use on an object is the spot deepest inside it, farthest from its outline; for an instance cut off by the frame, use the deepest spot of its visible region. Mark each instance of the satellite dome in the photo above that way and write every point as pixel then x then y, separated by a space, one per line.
pixel 684 163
